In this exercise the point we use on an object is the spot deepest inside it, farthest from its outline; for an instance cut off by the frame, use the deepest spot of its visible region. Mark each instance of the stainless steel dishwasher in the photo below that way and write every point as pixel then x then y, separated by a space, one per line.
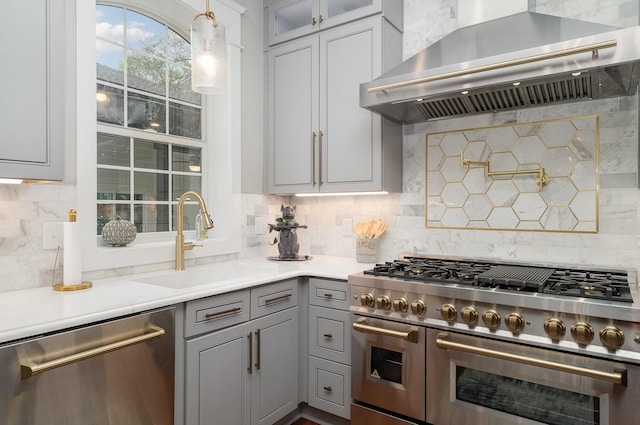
pixel 114 372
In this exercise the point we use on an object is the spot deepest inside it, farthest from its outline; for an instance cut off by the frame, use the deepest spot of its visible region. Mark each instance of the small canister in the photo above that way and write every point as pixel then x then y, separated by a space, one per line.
pixel 366 250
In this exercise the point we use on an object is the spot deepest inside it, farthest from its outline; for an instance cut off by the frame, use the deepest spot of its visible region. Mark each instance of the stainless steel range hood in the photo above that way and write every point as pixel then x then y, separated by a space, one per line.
pixel 523 60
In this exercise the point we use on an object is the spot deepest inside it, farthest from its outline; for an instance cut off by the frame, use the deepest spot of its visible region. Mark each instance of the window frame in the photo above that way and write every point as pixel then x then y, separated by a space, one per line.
pixel 220 179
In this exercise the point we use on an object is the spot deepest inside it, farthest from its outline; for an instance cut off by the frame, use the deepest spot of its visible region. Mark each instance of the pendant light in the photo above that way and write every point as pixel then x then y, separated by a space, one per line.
pixel 208 54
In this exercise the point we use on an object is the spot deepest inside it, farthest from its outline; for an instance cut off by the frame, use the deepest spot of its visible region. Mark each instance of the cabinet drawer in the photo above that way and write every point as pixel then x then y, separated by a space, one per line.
pixel 274 297
pixel 217 312
pixel 330 334
pixel 330 386
pixel 329 293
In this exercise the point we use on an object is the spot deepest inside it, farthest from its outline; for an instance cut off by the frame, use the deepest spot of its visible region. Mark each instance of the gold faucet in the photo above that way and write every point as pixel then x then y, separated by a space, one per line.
pixel 181 245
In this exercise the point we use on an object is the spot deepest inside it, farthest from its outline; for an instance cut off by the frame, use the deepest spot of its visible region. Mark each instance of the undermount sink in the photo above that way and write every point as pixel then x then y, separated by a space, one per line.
pixel 204 276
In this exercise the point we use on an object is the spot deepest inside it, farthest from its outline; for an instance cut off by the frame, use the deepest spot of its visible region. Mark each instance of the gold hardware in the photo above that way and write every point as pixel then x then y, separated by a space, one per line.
pixel 418 307
pixel 250 338
pixel 448 312
pixel 280 298
pixel 515 322
pixel 384 302
pixel 220 313
pixel 411 334
pixel 491 67
pixel 401 305
pixel 469 315
pixel 73 214
pixel 28 369
pixel 61 287
pixel 491 318
pixel 181 245
pixel 328 389
pixel 554 328
pixel 321 19
pixel 313 158
pixel 313 21
pixel 320 157
pixel 328 336
pixel 328 295
pixel 617 377
pixel 209 15
pixel 541 180
pixel 367 300
pixel 582 333
pixel 258 349
pixel 612 337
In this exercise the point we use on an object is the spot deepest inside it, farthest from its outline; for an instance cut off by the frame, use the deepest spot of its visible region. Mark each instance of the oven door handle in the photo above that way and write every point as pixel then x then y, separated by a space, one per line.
pixel 411 334
pixel 619 376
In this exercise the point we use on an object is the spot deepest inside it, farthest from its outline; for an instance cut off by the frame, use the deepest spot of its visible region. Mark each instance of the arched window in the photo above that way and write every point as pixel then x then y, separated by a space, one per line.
pixel 150 135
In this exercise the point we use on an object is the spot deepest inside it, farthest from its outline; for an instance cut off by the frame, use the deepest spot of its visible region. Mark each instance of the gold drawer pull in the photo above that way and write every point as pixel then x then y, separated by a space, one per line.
pixel 329 389
pixel 328 295
pixel 220 313
pixel 328 336
pixel 280 298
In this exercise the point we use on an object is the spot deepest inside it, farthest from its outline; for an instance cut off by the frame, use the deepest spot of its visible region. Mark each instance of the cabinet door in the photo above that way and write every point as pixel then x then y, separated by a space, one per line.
pixel 218 383
pixel 351 144
pixel 289 19
pixel 293 117
pixel 275 378
pixel 336 12
pixel 32 119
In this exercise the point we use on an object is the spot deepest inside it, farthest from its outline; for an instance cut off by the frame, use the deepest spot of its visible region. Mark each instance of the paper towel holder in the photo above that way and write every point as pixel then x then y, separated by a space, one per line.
pixel 61 286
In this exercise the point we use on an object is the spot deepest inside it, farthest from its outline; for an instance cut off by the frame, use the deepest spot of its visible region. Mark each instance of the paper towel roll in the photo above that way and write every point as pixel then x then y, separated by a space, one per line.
pixel 72 255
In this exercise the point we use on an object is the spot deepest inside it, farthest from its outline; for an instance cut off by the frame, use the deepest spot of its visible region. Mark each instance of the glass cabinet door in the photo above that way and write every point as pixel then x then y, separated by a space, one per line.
pixel 292 18
pixel 336 12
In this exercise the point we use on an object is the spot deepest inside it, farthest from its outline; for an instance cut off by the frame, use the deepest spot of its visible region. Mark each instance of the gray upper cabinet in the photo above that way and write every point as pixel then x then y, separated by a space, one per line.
pixel 289 19
pixel 319 139
pixel 32 106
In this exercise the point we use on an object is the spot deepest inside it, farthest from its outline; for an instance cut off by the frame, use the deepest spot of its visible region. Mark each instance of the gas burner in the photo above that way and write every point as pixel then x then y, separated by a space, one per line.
pixel 603 285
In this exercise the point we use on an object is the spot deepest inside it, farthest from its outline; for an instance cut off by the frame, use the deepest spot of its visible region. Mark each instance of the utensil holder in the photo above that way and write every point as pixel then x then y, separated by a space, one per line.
pixel 366 250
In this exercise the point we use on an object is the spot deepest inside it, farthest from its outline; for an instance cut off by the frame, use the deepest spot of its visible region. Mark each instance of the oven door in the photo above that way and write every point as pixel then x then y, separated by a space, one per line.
pixel 388 366
pixel 484 381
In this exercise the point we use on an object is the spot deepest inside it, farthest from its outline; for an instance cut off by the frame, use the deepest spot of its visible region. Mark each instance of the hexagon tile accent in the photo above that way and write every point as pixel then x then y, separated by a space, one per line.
pixel 460 197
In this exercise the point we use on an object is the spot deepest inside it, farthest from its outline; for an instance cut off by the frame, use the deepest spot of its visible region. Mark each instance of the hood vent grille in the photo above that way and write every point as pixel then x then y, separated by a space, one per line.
pixel 495 100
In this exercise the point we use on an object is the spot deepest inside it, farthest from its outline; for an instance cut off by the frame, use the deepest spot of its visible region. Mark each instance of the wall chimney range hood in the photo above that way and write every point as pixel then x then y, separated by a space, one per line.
pixel 523 60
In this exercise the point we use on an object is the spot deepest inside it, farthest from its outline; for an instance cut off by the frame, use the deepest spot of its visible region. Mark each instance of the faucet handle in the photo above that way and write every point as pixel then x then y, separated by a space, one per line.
pixel 188 246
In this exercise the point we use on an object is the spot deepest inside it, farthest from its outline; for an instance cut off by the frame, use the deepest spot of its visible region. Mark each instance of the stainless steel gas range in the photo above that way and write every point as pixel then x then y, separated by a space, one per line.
pixel 451 341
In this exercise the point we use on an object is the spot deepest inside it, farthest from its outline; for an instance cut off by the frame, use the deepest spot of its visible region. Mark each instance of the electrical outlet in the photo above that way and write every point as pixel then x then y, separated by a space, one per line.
pixel 259 226
pixel 347 227
pixel 52 235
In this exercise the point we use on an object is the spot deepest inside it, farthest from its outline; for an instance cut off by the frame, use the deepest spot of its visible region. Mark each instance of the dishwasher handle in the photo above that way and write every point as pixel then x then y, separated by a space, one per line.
pixel 28 369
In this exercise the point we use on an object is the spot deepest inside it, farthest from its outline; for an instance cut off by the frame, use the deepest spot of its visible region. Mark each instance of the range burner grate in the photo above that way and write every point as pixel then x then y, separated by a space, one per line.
pixel 516 277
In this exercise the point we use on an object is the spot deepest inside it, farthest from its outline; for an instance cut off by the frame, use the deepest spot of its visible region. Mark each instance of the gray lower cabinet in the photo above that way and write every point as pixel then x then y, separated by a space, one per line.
pixel 329 347
pixel 35 87
pixel 245 373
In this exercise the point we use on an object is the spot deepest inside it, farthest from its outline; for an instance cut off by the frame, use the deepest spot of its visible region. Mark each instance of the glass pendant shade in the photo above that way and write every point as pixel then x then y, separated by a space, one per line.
pixel 208 55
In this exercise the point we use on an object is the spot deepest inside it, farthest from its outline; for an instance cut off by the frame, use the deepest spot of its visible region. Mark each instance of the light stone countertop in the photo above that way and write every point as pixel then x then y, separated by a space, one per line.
pixel 31 312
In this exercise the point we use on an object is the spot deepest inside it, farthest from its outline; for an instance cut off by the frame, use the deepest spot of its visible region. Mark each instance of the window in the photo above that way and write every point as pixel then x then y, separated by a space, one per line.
pixel 143 90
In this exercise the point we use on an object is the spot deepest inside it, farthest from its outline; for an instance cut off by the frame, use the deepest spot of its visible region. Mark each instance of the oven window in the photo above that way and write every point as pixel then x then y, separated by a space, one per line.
pixel 526 399
pixel 386 364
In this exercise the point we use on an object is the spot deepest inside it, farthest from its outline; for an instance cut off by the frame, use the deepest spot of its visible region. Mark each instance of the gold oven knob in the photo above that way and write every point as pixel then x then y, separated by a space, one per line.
pixel 384 302
pixel 448 312
pixel 469 315
pixel 491 319
pixel 418 307
pixel 367 300
pixel 401 305
pixel 612 337
pixel 555 328
pixel 582 333
pixel 514 322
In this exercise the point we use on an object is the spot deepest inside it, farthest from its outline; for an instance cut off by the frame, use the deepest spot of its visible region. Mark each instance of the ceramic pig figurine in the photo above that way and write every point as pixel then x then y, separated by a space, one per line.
pixel 288 245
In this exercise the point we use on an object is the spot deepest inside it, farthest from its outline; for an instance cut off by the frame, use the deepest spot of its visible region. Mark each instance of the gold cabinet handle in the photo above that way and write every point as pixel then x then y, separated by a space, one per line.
pixel 258 349
pixel 28 369
pixel 328 336
pixel 220 313
pixel 617 377
pixel 328 295
pixel 280 298
pixel 320 134
pixel 411 334
pixel 328 389
pixel 321 19
pixel 499 65
pixel 313 21
pixel 313 158
pixel 250 338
